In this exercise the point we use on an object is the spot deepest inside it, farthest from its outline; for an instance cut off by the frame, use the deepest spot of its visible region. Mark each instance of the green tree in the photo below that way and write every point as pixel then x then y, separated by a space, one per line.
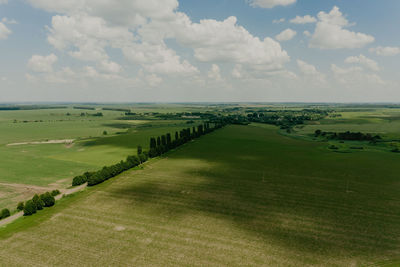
pixel 55 192
pixel 48 199
pixel 139 150
pixel 153 143
pixel 29 208
pixel 158 141
pixel 4 213
pixel 163 140
pixel 38 202
pixel 20 206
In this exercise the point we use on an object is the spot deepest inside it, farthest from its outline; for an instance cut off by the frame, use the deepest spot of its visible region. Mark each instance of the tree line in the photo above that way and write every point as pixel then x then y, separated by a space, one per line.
pixel 38 202
pixel 164 143
pixel 107 172
pixel 348 136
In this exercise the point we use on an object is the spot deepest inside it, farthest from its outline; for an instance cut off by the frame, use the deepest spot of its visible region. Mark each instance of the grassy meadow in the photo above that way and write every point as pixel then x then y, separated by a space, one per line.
pixel 243 195
pixel 26 169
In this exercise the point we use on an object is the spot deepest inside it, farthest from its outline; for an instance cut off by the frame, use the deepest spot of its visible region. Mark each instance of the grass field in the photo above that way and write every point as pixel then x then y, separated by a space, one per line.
pixel 25 167
pixel 243 195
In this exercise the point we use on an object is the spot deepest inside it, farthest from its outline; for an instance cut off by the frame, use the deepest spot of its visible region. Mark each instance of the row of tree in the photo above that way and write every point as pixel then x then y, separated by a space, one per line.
pixel 164 143
pixel 107 172
pixel 38 202
pixel 348 136
pixel 158 146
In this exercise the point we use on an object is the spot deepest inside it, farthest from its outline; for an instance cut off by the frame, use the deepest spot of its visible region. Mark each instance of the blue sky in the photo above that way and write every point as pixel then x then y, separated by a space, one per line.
pixel 209 50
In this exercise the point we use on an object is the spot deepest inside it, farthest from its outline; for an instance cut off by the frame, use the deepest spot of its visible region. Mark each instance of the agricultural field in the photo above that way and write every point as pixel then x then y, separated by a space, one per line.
pixel 44 149
pixel 243 195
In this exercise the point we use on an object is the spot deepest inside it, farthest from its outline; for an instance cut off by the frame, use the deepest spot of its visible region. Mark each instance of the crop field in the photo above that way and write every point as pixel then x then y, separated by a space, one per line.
pixel 243 195
pixel 27 168
pixel 382 121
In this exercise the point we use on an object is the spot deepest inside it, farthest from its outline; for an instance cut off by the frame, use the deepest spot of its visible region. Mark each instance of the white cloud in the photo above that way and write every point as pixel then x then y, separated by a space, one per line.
pixel 215 73
pixel 363 60
pixel 86 37
pixel 270 3
pixel 110 66
pixel 158 58
pixel 307 33
pixel 306 68
pixel 9 21
pixel 385 51
pixel 286 35
pixel 354 77
pixel 4 31
pixel 310 73
pixel 39 63
pixel 330 32
pixel 119 12
pixel 303 20
pixel 277 21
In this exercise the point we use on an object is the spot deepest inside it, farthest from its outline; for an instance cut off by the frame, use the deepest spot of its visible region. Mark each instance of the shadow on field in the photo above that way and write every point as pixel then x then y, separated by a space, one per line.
pixel 287 192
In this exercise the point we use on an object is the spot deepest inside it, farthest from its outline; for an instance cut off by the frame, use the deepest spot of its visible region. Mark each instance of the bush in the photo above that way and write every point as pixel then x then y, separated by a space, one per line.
pixel 20 206
pixel 48 199
pixel 143 157
pixel 29 208
pixel 38 202
pixel 5 213
pixel 55 192
pixel 78 180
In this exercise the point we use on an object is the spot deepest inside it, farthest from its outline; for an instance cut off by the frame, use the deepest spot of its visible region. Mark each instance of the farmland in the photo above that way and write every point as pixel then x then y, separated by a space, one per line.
pixel 28 168
pixel 243 195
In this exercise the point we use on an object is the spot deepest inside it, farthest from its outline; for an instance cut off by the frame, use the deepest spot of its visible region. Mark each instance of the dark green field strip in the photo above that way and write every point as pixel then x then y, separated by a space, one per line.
pixel 239 196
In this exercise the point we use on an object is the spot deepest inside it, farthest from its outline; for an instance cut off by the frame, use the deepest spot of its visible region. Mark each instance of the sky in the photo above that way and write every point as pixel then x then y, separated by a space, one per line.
pixel 200 51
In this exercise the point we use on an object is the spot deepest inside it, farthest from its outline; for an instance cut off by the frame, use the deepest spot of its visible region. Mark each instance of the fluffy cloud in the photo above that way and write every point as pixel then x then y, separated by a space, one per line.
pixel 86 37
pixel 303 20
pixel 364 61
pixel 9 21
pixel 120 12
pixel 385 51
pixel 310 73
pixel 270 3
pixel 306 68
pixel 4 31
pixel 354 77
pixel 215 73
pixel 158 58
pixel 86 28
pixel 286 35
pixel 330 32
pixel 277 21
pixel 39 63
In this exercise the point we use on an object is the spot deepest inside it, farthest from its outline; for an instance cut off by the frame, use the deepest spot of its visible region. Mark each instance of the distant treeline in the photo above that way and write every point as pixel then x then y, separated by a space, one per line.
pixel 118 109
pixel 86 108
pixel 288 119
pixel 164 143
pixel 30 107
pixel 348 136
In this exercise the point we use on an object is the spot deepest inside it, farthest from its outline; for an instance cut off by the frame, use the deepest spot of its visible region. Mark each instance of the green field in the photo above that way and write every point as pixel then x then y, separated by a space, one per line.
pixel 26 169
pixel 244 195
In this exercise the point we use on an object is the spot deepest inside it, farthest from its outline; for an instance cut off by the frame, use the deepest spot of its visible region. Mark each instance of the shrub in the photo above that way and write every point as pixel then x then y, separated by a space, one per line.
pixel 20 206
pixel 55 192
pixel 48 199
pixel 142 157
pixel 78 180
pixel 29 208
pixel 38 202
pixel 5 213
